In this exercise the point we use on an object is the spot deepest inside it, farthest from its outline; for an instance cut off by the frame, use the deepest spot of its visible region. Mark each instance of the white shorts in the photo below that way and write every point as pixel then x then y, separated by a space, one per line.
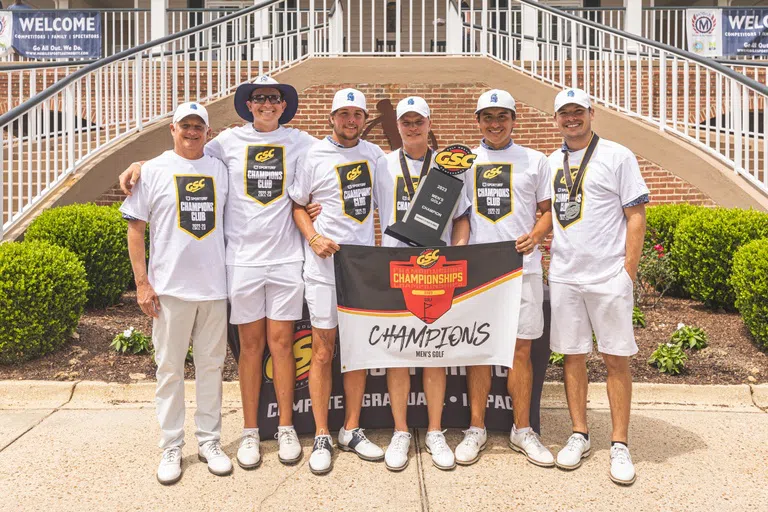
pixel 530 323
pixel 605 307
pixel 272 291
pixel 321 300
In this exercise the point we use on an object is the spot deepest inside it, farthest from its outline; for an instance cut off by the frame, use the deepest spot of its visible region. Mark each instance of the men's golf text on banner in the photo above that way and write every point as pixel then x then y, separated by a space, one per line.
pixel 448 306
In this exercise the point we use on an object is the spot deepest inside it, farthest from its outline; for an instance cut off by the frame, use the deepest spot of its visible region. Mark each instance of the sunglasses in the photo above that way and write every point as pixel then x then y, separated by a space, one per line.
pixel 263 98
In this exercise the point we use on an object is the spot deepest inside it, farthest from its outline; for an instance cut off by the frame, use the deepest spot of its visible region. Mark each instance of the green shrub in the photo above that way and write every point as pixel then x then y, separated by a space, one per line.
pixel 556 359
pixel 42 295
pixel 668 358
pixel 132 341
pixel 638 317
pixel 662 221
pixel 750 284
pixel 97 235
pixel 689 337
pixel 705 243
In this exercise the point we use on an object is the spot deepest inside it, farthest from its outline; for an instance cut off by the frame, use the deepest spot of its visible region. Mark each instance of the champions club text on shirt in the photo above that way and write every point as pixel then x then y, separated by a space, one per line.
pixel 340 180
pixel 262 166
pixel 183 201
pixel 590 232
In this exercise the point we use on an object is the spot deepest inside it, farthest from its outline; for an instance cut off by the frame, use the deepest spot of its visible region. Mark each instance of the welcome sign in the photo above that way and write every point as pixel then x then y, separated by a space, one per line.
pixel 57 35
pixel 727 32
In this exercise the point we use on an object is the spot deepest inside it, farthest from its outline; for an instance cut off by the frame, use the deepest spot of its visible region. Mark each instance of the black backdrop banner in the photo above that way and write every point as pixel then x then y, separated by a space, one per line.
pixel 376 412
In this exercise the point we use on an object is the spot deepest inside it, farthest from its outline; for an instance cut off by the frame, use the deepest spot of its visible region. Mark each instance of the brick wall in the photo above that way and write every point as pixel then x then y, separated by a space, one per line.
pixel 453 121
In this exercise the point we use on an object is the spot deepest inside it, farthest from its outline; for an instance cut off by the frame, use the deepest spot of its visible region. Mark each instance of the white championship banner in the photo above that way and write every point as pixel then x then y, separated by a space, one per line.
pixel 435 307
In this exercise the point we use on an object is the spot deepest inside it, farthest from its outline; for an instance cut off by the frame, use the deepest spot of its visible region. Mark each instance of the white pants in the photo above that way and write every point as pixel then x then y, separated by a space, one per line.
pixel 204 323
pixel 530 323
pixel 272 291
pixel 321 301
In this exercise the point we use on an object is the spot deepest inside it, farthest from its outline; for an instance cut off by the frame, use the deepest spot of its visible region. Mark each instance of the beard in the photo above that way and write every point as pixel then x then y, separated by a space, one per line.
pixel 343 136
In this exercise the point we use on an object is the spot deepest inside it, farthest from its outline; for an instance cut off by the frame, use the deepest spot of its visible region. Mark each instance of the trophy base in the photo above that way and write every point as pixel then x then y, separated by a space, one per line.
pixel 415 238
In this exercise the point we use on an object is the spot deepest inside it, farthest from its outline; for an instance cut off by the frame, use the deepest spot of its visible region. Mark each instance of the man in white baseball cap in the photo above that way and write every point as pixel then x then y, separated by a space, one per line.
pixel 598 202
pixel 338 174
pixel 264 251
pixel 182 196
pixel 508 185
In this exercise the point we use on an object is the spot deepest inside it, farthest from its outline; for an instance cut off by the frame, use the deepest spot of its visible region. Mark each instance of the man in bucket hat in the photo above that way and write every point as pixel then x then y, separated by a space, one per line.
pixel 264 250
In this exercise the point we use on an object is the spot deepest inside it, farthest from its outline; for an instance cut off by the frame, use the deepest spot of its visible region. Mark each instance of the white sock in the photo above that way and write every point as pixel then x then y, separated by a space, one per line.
pixel 247 431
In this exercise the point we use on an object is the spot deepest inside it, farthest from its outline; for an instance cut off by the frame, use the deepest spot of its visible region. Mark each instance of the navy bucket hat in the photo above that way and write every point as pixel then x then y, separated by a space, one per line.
pixel 244 91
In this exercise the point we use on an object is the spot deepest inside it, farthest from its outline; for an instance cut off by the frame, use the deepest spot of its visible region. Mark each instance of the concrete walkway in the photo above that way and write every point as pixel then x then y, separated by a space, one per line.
pixel 92 446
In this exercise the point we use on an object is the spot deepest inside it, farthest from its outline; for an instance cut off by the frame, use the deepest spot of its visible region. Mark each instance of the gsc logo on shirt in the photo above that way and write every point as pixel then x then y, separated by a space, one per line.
pixel 355 188
pixel 264 155
pixel 354 173
pixel 195 186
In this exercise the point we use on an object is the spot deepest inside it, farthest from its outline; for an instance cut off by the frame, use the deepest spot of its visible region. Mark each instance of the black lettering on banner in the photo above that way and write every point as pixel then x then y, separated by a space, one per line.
pixel 196 204
pixel 566 210
pixel 493 190
pixel 355 189
pixel 402 197
pixel 264 172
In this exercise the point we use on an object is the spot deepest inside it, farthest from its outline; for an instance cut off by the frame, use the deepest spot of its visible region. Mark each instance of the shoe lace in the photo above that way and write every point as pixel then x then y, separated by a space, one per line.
pixel 249 441
pixel 472 436
pixel 620 454
pixel 359 433
pixel 170 455
pixel 401 439
pixel 531 437
pixel 437 441
pixel 322 442
pixel 574 443
pixel 214 449
pixel 287 436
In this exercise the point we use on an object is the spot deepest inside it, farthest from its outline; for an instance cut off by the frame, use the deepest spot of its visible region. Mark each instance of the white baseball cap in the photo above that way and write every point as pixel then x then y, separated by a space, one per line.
pixel 412 104
pixel 348 98
pixel 190 109
pixel 568 96
pixel 496 98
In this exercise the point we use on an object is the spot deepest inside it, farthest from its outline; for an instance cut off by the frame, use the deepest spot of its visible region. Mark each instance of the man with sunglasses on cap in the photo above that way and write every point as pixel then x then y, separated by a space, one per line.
pixel 398 174
pixel 264 251
pixel 508 185
pixel 599 209
pixel 182 196
pixel 338 174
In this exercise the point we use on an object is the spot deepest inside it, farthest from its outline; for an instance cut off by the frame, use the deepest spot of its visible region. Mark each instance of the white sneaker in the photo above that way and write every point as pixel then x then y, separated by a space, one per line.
pixel 468 450
pixel 322 451
pixel 289 448
pixel 249 452
pixel 396 457
pixel 574 450
pixel 355 441
pixel 527 442
pixel 622 469
pixel 442 455
pixel 218 462
pixel 169 470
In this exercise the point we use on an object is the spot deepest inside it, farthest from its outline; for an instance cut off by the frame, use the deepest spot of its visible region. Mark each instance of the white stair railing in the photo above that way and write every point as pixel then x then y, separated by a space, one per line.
pixel 46 138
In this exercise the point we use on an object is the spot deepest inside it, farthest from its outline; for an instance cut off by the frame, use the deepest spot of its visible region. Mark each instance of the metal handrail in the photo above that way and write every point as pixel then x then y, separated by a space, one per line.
pixel 62 84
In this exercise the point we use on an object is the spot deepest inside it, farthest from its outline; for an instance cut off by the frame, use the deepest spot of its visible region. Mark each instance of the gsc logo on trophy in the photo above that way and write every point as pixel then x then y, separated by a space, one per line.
pixel 434 201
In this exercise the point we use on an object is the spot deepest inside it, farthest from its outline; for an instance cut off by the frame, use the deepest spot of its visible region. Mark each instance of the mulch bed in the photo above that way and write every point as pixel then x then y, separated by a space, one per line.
pixel 731 358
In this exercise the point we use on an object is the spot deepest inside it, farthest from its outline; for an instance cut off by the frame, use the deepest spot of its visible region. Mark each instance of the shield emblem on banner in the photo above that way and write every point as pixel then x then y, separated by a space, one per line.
pixel 428 282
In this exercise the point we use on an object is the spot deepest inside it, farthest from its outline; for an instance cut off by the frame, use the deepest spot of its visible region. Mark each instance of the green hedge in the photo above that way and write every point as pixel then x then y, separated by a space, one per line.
pixel 42 295
pixel 662 221
pixel 750 284
pixel 97 235
pixel 704 245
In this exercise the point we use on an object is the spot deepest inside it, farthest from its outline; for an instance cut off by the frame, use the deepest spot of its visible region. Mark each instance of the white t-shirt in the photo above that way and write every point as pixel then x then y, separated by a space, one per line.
pixel 259 220
pixel 341 181
pixel 393 199
pixel 505 187
pixel 183 201
pixel 588 245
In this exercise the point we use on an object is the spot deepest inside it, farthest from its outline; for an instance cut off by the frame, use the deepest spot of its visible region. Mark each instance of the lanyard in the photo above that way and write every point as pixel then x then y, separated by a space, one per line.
pixel 573 184
pixel 407 174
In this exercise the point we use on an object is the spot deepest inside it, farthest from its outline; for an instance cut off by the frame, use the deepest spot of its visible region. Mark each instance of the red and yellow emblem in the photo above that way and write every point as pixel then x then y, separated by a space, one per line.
pixel 428 282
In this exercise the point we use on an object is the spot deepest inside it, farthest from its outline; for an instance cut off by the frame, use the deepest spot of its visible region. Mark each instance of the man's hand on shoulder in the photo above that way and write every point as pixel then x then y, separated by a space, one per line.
pixel 130 176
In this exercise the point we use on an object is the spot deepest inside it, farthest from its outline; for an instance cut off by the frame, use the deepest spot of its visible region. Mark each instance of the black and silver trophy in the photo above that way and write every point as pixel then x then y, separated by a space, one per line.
pixel 432 205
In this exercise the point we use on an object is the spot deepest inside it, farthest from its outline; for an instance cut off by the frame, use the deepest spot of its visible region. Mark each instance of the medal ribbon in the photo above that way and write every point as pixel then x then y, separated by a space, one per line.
pixel 573 184
pixel 407 174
